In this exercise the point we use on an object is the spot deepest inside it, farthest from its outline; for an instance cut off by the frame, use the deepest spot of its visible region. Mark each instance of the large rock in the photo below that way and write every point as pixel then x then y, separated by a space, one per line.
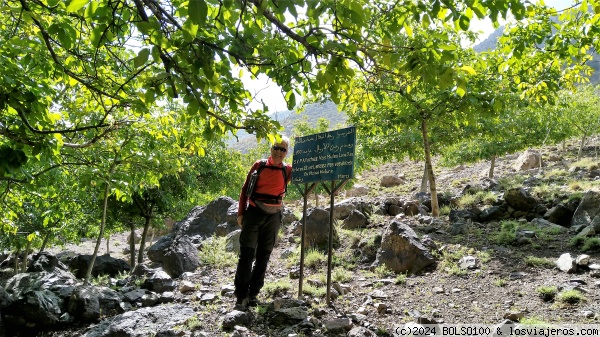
pixel 520 199
pixel 151 321
pixel 37 299
pixel 356 220
pixel 103 265
pixel 530 159
pixel 204 221
pixel 342 209
pixel 180 257
pixel 401 251
pixel 391 180
pixel 85 305
pixel 560 215
pixel 588 211
pixel 317 229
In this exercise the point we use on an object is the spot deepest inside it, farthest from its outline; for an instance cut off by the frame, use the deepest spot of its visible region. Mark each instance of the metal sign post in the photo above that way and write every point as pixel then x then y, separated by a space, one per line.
pixel 327 156
pixel 304 194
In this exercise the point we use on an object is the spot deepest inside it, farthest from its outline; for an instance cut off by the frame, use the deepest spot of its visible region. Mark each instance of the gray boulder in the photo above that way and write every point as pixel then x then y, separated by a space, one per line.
pixel 520 199
pixel 180 257
pixel 355 220
pixel 401 251
pixel 530 159
pixel 159 281
pixel 150 321
pixel 588 211
pixel 103 265
pixel 203 221
pixel 317 228
pixel 85 305
pixel 560 215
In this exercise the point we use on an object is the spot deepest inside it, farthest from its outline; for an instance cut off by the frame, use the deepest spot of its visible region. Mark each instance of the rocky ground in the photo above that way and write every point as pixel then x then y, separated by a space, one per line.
pixel 506 284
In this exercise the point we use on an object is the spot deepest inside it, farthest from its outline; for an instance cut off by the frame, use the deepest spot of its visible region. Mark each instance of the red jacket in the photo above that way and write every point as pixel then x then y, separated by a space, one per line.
pixel 269 182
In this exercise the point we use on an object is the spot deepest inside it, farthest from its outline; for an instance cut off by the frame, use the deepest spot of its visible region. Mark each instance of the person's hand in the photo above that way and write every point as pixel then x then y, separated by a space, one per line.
pixel 239 219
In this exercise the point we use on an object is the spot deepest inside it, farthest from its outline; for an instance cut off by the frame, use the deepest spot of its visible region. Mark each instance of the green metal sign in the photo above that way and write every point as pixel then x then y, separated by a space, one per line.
pixel 324 156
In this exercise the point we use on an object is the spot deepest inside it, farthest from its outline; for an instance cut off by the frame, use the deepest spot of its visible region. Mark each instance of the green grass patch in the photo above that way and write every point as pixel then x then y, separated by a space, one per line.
pixel 539 262
pixel 501 282
pixel 570 297
pixel 314 258
pixel 547 293
pixel 314 291
pixel 277 288
pixel 341 275
pixel 508 182
pixel 400 279
pixel 585 244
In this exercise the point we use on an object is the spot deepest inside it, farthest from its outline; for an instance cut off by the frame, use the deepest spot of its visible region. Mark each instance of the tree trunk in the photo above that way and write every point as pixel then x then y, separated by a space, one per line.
pixel 44 243
pixel 143 240
pixel 25 257
pixel 492 164
pixel 88 274
pixel 435 208
pixel 108 245
pixel 316 199
pixel 132 245
pixel 581 145
pixel 16 265
pixel 424 179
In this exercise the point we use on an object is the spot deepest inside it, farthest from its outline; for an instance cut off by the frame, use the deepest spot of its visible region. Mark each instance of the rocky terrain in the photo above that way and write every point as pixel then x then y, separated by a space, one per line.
pixel 491 262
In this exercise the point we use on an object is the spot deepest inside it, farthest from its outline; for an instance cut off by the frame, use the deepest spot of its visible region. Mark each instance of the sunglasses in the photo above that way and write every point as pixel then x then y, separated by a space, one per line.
pixel 282 149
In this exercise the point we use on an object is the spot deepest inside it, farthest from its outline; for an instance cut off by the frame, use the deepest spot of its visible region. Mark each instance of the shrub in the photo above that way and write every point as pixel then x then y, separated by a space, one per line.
pixel 570 297
pixel 214 253
pixel 507 234
pixel 313 258
pixel 341 275
pixel 547 293
pixel 400 279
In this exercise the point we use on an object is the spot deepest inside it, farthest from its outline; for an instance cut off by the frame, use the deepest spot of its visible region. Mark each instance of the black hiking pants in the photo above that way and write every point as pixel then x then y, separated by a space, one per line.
pixel 257 240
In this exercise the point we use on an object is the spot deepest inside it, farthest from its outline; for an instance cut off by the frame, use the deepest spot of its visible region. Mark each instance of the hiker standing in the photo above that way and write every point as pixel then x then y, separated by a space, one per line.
pixel 260 215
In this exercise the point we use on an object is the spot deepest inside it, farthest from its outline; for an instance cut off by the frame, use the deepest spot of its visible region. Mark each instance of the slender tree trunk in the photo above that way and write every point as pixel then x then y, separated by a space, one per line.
pixel 435 208
pixel 44 243
pixel 316 199
pixel 132 245
pixel 581 145
pixel 88 274
pixel 108 245
pixel 424 180
pixel 25 257
pixel 143 241
pixel 16 264
pixel 492 165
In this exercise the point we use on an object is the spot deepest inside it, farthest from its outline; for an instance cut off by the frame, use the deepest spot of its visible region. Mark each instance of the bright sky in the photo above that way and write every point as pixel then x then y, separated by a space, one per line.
pixel 266 91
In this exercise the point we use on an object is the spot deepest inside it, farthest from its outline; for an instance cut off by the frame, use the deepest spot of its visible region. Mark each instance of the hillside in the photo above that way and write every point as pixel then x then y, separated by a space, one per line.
pixel 510 278
pixel 312 113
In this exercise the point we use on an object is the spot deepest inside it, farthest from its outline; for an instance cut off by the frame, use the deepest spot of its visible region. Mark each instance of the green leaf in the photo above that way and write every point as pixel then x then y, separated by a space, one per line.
pixel 65 38
pixel 461 87
pixel 468 69
pixel 76 5
pixel 141 58
pixel 198 11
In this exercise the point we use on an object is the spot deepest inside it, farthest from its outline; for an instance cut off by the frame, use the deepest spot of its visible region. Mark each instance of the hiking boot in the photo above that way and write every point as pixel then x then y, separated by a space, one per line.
pixel 241 304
